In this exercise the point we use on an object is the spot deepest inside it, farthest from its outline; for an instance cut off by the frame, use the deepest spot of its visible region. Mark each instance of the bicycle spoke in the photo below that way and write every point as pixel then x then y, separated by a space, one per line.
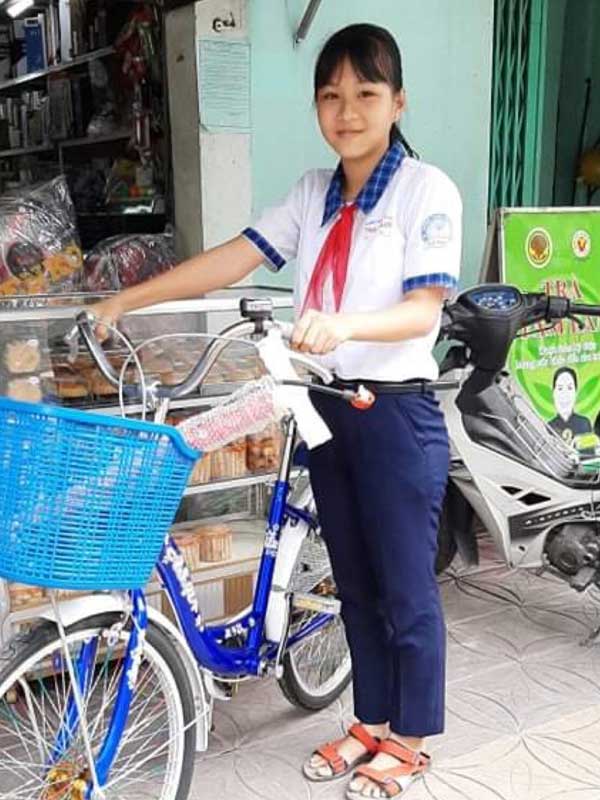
pixel 40 707
pixel 321 660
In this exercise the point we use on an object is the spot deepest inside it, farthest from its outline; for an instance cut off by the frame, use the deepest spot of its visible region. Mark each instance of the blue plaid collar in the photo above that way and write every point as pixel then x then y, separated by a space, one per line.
pixel 373 188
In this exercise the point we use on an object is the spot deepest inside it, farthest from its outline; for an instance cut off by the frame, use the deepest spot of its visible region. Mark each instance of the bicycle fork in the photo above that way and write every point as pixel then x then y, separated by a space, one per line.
pixel 87 785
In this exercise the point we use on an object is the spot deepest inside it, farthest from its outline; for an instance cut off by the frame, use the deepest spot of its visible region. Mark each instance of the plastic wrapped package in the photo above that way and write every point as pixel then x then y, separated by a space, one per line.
pixel 229 461
pixel 27 389
pixel 40 251
pixel 22 355
pixel 24 360
pixel 122 261
pixel 214 542
pixel 205 543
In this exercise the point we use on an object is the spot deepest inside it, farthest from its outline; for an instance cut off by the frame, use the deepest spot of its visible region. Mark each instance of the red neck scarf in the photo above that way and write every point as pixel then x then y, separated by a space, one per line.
pixel 332 260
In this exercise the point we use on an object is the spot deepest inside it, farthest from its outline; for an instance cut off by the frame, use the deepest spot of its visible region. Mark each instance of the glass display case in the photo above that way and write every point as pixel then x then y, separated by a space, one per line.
pixel 220 523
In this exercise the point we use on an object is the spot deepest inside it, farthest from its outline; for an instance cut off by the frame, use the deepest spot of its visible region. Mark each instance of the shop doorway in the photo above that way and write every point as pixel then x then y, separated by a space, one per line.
pixel 576 178
pixel 545 133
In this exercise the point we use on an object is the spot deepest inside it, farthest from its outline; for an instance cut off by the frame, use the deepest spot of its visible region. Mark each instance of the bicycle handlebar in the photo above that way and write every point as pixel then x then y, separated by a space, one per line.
pixel 85 328
pixel 581 309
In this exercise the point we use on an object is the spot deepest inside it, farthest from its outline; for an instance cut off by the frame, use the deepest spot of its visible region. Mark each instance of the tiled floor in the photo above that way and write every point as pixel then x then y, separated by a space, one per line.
pixel 523 705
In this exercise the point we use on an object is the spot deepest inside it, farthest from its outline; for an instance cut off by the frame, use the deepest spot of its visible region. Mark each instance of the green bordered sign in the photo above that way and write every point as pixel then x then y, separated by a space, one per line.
pixel 557 251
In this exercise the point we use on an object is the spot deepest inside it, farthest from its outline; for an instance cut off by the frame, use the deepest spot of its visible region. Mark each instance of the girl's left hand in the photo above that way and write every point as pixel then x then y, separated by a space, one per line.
pixel 320 333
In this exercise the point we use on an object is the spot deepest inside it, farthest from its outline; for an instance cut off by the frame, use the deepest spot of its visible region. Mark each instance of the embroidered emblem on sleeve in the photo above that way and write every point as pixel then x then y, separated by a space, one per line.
pixel 436 230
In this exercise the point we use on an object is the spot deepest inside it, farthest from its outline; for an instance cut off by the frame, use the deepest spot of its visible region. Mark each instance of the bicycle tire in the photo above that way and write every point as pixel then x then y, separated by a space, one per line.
pixel 18 658
pixel 295 687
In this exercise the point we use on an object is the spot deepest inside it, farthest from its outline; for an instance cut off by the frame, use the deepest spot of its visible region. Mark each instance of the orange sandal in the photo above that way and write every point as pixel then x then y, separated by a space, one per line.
pixel 337 763
pixel 395 779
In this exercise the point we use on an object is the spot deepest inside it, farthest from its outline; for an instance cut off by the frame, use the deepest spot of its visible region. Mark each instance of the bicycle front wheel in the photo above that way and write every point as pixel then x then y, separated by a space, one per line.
pixel 42 753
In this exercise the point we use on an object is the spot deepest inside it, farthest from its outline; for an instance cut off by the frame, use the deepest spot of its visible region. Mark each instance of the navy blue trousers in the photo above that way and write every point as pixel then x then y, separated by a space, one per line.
pixel 379 486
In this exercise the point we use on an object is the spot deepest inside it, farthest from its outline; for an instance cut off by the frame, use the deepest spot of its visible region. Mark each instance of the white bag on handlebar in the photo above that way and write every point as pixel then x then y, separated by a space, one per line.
pixel 276 358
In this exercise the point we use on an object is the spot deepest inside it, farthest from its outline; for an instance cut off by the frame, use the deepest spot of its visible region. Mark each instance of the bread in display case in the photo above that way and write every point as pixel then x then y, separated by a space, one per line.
pixel 226 489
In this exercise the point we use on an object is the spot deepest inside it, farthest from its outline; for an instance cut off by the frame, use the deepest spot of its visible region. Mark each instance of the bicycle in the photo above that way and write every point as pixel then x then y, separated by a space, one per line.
pixel 106 697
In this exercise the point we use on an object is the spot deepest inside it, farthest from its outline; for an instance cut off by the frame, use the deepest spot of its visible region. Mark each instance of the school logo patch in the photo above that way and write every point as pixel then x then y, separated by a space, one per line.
pixel 581 244
pixel 436 231
pixel 538 248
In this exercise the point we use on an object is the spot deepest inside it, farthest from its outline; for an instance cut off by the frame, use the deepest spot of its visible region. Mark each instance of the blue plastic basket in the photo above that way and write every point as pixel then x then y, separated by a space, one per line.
pixel 85 499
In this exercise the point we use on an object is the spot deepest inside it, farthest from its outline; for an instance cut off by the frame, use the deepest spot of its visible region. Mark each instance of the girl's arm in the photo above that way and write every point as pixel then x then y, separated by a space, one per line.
pixel 214 269
pixel 415 316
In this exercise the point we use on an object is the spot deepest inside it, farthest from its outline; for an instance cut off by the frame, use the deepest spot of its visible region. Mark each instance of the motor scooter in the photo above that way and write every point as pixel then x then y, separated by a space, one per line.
pixel 535 494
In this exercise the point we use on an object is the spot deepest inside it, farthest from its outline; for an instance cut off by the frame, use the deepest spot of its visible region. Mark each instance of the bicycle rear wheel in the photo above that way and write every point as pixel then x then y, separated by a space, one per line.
pixel 317 669
pixel 156 752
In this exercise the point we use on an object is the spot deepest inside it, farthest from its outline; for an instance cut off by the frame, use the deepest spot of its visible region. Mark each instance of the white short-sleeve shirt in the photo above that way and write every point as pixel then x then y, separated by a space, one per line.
pixel 406 235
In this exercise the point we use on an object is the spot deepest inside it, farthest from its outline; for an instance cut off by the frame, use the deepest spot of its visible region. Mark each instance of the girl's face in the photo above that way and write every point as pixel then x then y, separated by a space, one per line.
pixel 355 116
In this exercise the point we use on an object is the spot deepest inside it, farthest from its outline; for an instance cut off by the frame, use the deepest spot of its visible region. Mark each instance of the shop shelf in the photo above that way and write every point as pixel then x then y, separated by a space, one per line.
pixel 84 141
pixel 42 73
pixel 246 548
pixel 235 483
pixel 24 151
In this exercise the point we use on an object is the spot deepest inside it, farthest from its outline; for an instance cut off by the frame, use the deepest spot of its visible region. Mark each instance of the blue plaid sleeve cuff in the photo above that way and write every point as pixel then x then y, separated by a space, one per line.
pixel 442 279
pixel 268 251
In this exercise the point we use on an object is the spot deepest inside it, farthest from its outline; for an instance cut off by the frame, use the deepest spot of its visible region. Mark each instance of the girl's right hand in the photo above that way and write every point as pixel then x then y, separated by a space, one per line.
pixel 106 312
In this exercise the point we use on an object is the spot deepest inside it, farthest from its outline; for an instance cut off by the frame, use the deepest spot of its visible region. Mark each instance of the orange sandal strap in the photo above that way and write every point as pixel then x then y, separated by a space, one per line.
pixel 332 757
pixel 393 780
pixel 358 731
pixel 403 753
pixel 338 763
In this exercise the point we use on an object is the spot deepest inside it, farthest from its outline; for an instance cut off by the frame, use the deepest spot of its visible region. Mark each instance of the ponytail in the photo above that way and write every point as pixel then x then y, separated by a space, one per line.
pixel 396 135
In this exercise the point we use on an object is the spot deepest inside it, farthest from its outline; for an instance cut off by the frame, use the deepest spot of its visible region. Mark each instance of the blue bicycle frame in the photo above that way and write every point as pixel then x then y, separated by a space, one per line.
pixel 210 644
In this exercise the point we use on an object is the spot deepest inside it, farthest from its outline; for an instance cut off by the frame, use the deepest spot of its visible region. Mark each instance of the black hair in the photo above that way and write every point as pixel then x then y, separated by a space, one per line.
pixel 374 56
pixel 562 371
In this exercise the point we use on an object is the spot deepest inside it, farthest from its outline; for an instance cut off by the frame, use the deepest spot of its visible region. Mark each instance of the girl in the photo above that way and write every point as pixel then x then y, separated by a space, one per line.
pixel 377 247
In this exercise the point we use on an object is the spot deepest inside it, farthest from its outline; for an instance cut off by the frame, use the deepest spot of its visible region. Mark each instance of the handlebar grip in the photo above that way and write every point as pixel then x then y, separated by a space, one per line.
pixel 84 325
pixel 582 309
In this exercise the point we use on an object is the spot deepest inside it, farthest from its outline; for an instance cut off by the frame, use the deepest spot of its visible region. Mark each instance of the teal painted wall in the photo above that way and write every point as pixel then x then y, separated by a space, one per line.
pixel 447 52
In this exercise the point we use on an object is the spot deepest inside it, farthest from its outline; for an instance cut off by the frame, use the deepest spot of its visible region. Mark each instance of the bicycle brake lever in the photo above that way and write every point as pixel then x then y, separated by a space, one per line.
pixel 71 339
pixel 580 324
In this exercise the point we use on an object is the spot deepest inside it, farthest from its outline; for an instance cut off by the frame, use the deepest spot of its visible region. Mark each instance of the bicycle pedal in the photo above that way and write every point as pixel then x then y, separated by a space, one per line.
pixel 322 604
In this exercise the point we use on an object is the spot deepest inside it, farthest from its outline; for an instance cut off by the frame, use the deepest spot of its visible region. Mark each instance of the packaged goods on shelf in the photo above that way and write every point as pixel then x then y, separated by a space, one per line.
pixel 22 356
pixel 24 359
pixel 214 542
pixel 27 389
pixel 263 450
pixel 229 461
pixel 122 261
pixel 205 543
pixel 202 470
pixel 21 594
pixel 39 245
